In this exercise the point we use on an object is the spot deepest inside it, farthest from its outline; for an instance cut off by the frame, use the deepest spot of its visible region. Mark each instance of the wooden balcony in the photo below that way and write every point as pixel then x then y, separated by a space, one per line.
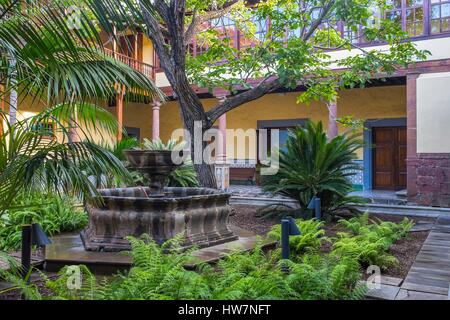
pixel 145 68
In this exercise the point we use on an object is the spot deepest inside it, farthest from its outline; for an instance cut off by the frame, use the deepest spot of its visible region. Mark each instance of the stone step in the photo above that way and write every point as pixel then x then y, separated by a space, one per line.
pixel 263 201
pixel 401 194
pixel 404 210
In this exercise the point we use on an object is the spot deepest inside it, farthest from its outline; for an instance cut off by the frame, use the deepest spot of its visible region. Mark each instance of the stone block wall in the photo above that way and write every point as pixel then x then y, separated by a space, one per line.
pixel 432 180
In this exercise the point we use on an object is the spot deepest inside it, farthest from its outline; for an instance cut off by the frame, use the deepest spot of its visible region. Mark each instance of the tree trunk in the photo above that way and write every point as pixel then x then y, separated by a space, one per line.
pixel 205 170
pixel 206 175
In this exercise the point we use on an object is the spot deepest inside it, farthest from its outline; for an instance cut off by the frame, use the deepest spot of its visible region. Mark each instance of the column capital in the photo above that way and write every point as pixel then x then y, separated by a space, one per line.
pixel 156 104
pixel 221 94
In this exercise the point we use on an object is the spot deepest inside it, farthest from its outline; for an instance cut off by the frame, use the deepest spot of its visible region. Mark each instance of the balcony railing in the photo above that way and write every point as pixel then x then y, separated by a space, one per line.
pixel 145 68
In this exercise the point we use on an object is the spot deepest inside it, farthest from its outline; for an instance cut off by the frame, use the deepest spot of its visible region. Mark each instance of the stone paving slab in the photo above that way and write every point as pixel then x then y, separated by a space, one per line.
pixel 391 281
pixel 68 249
pixel 385 292
pixel 417 295
pixel 429 272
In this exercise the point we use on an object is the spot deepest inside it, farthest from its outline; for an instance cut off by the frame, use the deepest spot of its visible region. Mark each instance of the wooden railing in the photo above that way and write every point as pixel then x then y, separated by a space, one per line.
pixel 145 68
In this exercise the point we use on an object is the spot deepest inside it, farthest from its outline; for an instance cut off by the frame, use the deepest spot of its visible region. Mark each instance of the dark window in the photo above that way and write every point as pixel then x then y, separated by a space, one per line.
pixel 414 18
pixel 45 129
pixel 409 14
pixel 440 16
pixel 133 132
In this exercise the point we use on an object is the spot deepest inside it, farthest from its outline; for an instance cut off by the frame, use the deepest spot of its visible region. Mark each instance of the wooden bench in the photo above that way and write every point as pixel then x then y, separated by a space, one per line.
pixel 243 175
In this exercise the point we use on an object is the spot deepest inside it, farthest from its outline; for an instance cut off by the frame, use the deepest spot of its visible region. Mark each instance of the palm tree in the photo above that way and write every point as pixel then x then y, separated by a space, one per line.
pixel 44 59
pixel 55 63
pixel 33 158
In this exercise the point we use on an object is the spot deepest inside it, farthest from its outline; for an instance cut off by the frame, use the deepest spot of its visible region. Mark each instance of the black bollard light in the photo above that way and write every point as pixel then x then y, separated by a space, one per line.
pixel 288 228
pixel 31 235
pixel 39 238
pixel 26 250
pixel 315 204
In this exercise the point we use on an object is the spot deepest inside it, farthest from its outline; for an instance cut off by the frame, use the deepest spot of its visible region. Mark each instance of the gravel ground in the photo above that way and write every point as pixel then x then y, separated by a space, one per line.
pixel 244 217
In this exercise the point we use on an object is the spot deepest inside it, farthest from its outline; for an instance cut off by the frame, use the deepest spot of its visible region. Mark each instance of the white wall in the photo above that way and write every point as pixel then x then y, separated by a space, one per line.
pixel 439 49
pixel 433 113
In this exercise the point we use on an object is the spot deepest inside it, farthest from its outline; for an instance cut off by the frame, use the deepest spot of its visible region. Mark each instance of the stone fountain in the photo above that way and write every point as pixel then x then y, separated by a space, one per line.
pixel 200 214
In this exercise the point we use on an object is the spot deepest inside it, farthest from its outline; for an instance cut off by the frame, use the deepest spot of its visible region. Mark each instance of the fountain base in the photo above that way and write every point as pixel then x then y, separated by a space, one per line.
pixel 200 214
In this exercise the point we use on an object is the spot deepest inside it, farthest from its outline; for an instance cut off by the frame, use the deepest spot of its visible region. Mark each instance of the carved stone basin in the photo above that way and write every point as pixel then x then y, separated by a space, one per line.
pixel 156 165
pixel 201 214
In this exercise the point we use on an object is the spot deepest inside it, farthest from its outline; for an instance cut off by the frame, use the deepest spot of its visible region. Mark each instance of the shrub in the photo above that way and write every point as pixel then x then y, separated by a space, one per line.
pixel 312 165
pixel 369 240
pixel 53 212
pixel 325 277
pixel 158 273
pixel 310 239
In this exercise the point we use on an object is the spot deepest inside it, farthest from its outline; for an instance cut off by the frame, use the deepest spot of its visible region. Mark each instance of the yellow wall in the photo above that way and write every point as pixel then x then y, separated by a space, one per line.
pixel 27 107
pixel 147 51
pixel 368 103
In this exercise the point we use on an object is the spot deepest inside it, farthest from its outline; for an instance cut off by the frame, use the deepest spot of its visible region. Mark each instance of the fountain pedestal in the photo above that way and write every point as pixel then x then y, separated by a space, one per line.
pixel 200 214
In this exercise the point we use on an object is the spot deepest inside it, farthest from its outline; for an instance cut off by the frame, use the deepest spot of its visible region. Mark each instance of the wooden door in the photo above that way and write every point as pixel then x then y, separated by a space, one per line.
pixel 389 158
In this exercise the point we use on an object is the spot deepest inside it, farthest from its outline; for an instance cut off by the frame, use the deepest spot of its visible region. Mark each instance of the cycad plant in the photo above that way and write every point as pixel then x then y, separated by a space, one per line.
pixel 311 165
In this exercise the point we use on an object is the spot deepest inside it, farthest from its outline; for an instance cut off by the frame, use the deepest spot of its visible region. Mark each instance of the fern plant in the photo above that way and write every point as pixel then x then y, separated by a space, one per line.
pixel 369 240
pixel 12 274
pixel 325 277
pixel 311 238
pixel 158 273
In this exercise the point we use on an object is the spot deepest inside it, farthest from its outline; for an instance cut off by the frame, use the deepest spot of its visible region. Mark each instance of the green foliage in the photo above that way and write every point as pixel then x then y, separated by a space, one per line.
pixel 311 238
pixel 157 144
pixel 312 165
pixel 369 240
pixel 13 276
pixel 54 213
pixel 32 159
pixel 183 176
pixel 305 52
pixel 325 277
pixel 158 273
pixel 52 60
pixel 75 283
pixel 124 144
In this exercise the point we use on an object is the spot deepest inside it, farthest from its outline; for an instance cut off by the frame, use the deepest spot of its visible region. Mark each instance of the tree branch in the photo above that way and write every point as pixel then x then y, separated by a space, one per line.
pixel 266 86
pixel 155 34
pixel 197 20
pixel 325 10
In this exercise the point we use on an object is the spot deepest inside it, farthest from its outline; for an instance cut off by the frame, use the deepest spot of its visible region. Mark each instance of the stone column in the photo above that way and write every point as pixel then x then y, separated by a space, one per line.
pixel 411 137
pixel 222 169
pixel 332 116
pixel 222 152
pixel 156 105
pixel 73 126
